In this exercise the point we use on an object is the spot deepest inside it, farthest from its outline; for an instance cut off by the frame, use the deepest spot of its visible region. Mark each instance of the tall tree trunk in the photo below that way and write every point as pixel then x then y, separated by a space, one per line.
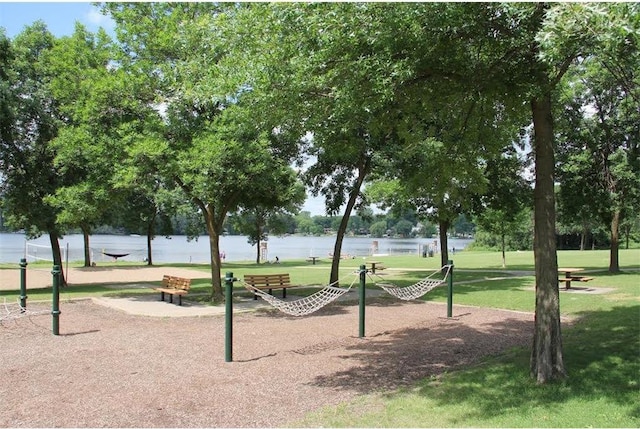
pixel 57 255
pixel 259 229
pixel 87 248
pixel 504 245
pixel 151 233
pixel 149 252
pixel 546 355
pixel 444 241
pixel 342 229
pixel 614 263
pixel 213 230
pixel 583 238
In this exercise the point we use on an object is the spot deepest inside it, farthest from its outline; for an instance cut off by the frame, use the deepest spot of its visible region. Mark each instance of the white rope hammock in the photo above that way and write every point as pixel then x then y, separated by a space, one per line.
pixel 306 305
pixel 416 290
pixel 16 311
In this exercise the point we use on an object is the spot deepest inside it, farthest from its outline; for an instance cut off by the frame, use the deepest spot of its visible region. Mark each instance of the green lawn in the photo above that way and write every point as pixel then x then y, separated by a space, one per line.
pixel 601 346
pixel 601 352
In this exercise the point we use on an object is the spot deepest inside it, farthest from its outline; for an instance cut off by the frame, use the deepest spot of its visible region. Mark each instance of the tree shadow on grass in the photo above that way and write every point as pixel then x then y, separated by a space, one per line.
pixel 602 356
pixel 601 351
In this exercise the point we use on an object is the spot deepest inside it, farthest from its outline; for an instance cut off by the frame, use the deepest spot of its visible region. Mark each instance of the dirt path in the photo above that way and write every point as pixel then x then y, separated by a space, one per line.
pixel 41 277
pixel 113 369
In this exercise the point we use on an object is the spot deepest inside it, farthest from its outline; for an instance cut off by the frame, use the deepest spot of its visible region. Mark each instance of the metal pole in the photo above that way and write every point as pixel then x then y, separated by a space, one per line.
pixel 362 296
pixel 450 289
pixel 55 310
pixel 228 331
pixel 23 285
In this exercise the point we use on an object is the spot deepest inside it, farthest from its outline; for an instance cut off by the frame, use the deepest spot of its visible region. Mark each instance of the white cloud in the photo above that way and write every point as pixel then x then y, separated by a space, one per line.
pixel 95 18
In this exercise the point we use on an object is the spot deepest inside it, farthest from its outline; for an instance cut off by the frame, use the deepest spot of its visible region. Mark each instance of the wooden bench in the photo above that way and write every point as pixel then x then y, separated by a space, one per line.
pixel 567 280
pixel 172 285
pixel 270 282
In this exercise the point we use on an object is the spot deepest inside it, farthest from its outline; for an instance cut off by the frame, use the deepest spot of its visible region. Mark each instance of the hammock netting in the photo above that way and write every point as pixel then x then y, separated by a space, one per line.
pixel 306 305
pixel 416 290
pixel 12 311
pixel 328 294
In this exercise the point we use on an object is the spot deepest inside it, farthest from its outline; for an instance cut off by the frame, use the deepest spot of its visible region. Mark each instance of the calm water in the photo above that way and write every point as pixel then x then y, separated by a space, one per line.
pixel 178 250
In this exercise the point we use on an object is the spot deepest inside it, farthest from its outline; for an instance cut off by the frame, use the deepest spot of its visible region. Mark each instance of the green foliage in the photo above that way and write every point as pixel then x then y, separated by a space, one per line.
pixel 517 234
pixel 26 157
pixel 378 229
pixel 307 226
pixel 599 162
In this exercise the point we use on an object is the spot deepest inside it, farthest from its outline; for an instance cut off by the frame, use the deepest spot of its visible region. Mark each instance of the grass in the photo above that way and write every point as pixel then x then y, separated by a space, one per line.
pixel 601 351
pixel 601 346
pixel 601 354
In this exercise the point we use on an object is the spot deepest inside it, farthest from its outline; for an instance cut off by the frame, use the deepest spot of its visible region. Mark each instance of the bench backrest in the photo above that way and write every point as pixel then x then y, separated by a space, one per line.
pixel 166 281
pixel 181 283
pixel 176 282
pixel 267 280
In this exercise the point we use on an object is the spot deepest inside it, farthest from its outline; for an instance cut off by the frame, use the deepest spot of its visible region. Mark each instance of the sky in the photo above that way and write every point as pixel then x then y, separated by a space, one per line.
pixel 60 18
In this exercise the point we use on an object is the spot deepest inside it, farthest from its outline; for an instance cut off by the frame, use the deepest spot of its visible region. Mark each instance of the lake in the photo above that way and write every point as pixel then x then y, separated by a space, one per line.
pixel 177 249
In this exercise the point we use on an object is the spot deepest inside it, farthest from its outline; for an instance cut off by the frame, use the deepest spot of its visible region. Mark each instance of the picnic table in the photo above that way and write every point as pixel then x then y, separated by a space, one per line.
pixel 313 259
pixel 373 265
pixel 569 276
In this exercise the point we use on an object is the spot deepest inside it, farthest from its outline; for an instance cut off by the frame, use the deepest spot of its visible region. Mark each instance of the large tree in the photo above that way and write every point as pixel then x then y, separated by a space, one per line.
pixel 558 35
pixel 98 120
pixel 78 64
pixel 27 158
pixel 372 83
pixel 504 207
pixel 210 147
pixel 317 73
pixel 600 172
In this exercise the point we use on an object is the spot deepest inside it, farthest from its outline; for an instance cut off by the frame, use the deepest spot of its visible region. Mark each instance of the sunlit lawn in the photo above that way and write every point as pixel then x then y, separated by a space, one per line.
pixel 601 352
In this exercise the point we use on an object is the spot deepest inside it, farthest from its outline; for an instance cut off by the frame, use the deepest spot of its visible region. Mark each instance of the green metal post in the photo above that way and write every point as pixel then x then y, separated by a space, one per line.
pixel 55 308
pixel 228 331
pixel 450 289
pixel 362 296
pixel 23 285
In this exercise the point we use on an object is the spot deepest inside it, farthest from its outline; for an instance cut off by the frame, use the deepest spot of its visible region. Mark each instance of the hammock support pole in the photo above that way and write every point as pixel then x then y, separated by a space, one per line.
pixel 362 296
pixel 55 310
pixel 450 289
pixel 228 320
pixel 23 285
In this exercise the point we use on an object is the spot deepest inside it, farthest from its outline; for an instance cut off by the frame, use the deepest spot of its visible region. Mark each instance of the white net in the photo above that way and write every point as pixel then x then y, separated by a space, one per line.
pixel 306 305
pixel 416 290
pixel 14 310
pixel 39 252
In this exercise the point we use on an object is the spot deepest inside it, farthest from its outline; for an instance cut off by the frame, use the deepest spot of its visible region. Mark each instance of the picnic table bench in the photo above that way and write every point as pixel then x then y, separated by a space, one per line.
pixel 270 282
pixel 569 277
pixel 173 285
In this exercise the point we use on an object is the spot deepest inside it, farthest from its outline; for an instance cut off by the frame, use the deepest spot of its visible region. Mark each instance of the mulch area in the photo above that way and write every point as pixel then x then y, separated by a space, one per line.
pixel 109 368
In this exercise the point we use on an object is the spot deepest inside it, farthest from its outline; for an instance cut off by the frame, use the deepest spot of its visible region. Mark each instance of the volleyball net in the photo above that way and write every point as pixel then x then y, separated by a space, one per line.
pixel 39 252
